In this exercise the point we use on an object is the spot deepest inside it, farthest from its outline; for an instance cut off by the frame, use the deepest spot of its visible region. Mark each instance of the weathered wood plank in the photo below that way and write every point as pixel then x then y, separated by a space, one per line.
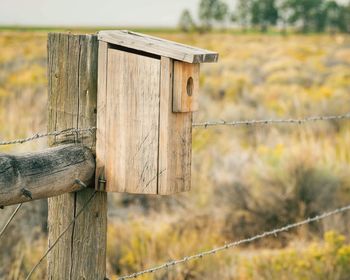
pixel 157 46
pixel 186 87
pixel 44 174
pixel 102 114
pixel 175 141
pixel 131 139
pixel 72 75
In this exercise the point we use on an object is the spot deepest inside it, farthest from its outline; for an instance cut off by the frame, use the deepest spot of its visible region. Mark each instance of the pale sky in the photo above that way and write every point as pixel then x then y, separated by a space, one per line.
pixel 94 12
pixel 135 13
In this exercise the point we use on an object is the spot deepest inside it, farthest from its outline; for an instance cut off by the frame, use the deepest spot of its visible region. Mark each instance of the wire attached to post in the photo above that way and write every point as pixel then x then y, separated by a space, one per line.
pixel 206 124
pixel 61 235
pixel 42 135
pixel 10 219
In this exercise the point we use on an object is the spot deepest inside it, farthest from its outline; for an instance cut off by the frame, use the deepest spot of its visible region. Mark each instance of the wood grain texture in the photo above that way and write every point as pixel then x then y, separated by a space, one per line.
pixel 131 134
pixel 157 46
pixel 72 76
pixel 185 87
pixel 44 174
pixel 101 113
pixel 175 141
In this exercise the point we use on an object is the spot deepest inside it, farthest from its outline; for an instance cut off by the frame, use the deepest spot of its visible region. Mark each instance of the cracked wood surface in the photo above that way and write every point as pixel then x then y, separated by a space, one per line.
pixel 128 136
pixel 175 138
pixel 72 76
pixel 44 174
pixel 142 145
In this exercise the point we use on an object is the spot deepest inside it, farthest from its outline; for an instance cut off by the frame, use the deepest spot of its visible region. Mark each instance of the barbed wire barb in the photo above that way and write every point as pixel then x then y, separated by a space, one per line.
pixel 271 121
pixel 10 219
pixel 237 243
pixel 61 235
pixel 195 125
pixel 53 133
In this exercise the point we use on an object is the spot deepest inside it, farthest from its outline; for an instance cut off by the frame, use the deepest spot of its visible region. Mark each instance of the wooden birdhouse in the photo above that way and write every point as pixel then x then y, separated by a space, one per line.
pixel 147 90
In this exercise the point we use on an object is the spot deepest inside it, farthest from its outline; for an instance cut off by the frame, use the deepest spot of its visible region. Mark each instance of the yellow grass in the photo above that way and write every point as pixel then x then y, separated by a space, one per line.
pixel 245 180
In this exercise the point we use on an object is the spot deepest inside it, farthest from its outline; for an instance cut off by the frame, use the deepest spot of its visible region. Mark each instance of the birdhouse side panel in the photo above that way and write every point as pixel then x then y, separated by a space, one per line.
pixel 101 115
pixel 175 141
pixel 132 123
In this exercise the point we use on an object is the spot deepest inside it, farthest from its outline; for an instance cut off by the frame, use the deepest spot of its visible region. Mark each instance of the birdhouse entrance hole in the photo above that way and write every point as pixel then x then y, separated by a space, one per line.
pixel 147 91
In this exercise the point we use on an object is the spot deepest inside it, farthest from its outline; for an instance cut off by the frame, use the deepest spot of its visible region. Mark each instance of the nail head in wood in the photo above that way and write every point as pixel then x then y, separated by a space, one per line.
pixel 26 193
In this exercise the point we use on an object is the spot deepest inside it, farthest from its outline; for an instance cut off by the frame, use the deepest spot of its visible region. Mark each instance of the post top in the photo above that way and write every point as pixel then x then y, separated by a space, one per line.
pixel 157 46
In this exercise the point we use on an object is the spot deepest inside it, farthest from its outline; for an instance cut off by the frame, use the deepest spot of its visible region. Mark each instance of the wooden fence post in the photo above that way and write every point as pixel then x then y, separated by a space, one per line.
pixel 72 76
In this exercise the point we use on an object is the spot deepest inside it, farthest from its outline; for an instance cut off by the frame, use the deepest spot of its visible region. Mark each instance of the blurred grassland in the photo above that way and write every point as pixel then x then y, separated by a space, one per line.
pixel 245 180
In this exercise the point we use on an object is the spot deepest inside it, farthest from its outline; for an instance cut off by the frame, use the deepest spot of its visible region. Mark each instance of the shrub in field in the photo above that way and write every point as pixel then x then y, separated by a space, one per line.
pixel 328 260
pixel 144 245
pixel 245 180
pixel 278 194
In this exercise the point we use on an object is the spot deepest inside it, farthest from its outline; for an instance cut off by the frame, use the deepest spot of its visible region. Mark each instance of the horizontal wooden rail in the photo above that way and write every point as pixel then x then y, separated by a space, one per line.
pixel 44 174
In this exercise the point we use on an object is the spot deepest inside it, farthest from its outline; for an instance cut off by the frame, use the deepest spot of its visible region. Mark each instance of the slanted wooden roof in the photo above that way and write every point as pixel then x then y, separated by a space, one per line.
pixel 157 46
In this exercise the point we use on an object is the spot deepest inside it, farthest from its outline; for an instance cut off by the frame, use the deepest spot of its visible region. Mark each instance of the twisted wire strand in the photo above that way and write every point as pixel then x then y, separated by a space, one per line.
pixel 53 133
pixel 10 219
pixel 236 243
pixel 195 125
pixel 271 121
pixel 61 235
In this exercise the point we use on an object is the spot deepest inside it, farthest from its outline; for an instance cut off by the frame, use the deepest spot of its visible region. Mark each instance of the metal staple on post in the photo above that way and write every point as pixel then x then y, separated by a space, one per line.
pixel 80 183
pixel 26 193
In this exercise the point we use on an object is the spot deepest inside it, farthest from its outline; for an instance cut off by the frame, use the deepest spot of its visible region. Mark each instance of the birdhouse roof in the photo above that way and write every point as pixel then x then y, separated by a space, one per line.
pixel 157 46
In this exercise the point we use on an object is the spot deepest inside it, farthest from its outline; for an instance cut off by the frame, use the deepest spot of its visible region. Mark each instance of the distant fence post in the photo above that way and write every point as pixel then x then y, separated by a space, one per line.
pixel 72 76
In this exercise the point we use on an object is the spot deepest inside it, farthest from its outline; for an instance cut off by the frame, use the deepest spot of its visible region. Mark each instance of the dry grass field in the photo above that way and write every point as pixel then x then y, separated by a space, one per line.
pixel 245 179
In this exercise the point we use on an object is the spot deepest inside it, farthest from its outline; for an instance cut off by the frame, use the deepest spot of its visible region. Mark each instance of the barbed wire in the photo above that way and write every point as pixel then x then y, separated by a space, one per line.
pixel 10 219
pixel 271 121
pixel 273 232
pixel 61 235
pixel 195 125
pixel 53 133
pixel 205 253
